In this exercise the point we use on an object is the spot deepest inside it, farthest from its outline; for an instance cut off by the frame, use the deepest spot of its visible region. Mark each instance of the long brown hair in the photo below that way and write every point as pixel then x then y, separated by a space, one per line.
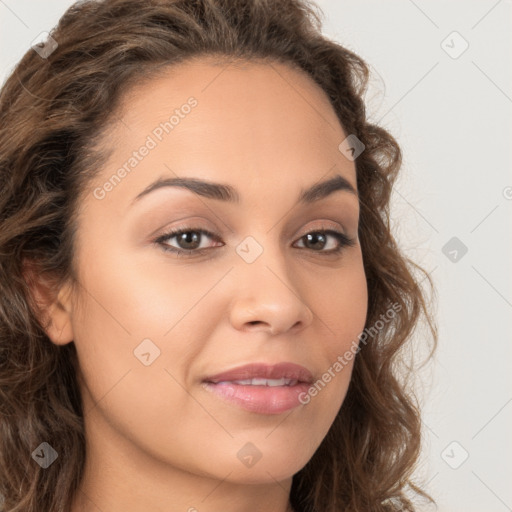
pixel 54 108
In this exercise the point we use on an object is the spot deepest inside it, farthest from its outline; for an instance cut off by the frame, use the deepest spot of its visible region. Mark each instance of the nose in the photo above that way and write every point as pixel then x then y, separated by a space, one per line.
pixel 268 297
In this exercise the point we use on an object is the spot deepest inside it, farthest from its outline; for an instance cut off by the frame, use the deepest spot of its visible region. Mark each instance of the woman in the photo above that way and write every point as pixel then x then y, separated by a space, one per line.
pixel 202 305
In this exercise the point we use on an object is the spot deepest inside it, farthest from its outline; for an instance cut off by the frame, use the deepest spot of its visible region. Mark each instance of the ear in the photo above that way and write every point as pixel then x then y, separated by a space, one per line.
pixel 53 307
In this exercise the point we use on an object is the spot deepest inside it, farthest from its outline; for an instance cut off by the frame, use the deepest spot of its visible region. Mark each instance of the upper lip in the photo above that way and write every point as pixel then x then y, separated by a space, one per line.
pixel 260 370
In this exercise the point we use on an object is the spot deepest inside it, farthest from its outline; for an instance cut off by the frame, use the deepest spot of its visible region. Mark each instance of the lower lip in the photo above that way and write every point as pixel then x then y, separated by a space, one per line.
pixel 260 399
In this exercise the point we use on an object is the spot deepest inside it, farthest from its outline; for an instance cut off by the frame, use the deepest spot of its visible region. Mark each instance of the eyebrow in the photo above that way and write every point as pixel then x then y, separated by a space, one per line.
pixel 224 192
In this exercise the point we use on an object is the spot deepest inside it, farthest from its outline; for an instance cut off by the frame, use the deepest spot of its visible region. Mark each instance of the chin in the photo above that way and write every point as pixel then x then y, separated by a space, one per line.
pixel 271 467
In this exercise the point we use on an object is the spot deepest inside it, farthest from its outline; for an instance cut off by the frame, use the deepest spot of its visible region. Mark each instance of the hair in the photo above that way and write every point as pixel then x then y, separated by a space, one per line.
pixel 54 112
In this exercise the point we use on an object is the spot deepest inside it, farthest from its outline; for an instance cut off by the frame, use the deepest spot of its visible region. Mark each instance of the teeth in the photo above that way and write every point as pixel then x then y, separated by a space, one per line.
pixel 266 382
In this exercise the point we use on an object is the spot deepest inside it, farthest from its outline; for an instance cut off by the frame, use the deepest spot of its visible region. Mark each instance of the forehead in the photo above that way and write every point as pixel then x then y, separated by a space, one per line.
pixel 252 121
pixel 230 83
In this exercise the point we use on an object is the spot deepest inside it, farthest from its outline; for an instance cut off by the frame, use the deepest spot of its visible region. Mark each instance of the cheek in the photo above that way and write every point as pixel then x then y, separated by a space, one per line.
pixel 134 342
pixel 139 329
pixel 342 305
pixel 128 301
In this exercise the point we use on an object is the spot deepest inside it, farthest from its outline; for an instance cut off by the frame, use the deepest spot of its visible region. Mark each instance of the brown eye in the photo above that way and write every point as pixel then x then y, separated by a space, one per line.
pixel 187 240
pixel 317 241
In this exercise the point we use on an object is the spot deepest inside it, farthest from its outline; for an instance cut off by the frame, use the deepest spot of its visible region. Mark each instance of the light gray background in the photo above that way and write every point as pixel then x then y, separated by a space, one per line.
pixel 452 117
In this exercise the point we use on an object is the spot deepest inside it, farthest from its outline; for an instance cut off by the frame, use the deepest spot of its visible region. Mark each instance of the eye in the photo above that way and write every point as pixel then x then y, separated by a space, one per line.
pixel 189 240
pixel 320 238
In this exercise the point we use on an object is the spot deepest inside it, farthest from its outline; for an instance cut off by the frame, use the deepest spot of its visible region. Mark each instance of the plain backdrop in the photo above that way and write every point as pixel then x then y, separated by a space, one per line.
pixel 442 84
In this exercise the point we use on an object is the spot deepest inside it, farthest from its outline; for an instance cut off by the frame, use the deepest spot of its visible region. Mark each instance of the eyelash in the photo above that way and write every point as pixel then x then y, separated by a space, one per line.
pixel 343 241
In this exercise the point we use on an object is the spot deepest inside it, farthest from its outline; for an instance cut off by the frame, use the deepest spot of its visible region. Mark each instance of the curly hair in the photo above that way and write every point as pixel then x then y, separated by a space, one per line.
pixel 53 111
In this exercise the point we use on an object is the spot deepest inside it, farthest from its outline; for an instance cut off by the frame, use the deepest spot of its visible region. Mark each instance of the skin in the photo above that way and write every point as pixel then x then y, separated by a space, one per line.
pixel 156 440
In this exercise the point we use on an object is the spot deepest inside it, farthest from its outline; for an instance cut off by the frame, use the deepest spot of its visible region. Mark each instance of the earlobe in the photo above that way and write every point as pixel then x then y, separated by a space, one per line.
pixel 53 310
pixel 60 330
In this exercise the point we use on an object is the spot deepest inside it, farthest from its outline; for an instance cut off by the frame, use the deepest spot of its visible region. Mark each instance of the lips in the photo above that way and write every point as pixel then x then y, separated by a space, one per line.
pixel 288 371
pixel 261 388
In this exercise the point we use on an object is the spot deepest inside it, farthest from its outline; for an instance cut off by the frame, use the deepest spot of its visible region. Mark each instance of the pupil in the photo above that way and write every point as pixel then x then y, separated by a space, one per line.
pixel 191 237
pixel 315 237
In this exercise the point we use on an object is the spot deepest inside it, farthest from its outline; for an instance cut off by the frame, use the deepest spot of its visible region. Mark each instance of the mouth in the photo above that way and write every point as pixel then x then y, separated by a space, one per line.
pixel 261 388
pixel 258 381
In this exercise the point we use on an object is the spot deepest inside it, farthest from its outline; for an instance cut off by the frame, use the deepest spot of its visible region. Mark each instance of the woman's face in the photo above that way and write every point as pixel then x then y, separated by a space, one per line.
pixel 152 325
